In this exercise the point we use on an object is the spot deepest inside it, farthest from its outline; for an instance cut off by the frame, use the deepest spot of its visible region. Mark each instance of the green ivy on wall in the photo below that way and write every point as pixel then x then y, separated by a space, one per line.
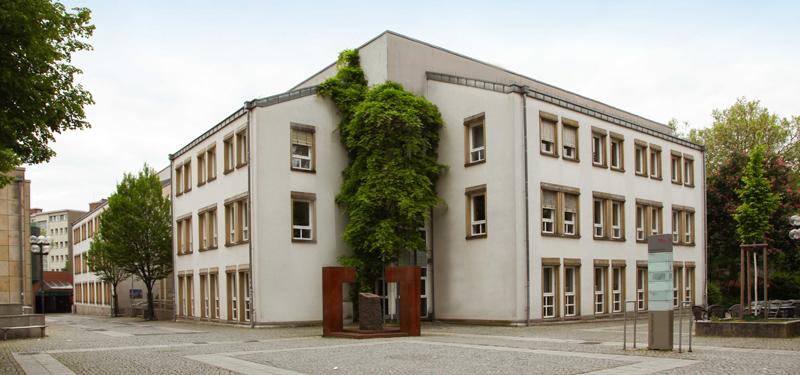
pixel 389 187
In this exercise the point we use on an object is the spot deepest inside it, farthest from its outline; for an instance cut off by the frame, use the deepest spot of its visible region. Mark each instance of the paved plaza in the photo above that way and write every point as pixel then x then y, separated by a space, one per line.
pixel 98 345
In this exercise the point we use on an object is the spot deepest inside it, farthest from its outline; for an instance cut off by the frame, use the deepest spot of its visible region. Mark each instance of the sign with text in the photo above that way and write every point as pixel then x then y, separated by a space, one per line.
pixel 136 293
pixel 659 273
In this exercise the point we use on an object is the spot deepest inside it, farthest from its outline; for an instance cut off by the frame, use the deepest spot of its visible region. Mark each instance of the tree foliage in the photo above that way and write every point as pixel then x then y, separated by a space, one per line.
pixel 99 260
pixel 38 94
pixel 744 125
pixel 389 187
pixel 136 230
pixel 758 201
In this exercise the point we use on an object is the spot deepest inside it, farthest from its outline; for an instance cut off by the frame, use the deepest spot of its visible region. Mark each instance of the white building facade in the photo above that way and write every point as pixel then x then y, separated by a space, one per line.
pixel 57 226
pixel 550 198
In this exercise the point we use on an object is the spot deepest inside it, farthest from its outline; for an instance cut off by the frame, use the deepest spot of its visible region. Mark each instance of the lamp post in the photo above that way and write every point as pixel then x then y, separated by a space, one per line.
pixel 41 245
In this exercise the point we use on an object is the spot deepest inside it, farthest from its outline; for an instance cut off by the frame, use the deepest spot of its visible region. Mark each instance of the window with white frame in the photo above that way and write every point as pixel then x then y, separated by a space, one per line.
pixel 676 226
pixel 245 220
pixel 201 169
pixel 617 282
pixel 599 149
pixel 569 291
pixel 302 217
pixel 655 220
pixel 570 142
pixel 548 211
pixel 242 151
pixel 640 159
pixel 478 214
pixel 640 222
pixel 641 281
pixel 211 163
pixel 617 153
pixel 230 223
pixel 215 289
pixel 548 135
pixel 212 227
pixel 599 290
pixel 689 226
pixel 688 282
pixel 244 285
pixel 302 149
pixel 655 162
pixel 179 180
pixel 477 143
pixel 675 164
pixel 230 154
pixel 677 274
pixel 204 296
pixel 570 214
pixel 599 218
pixel 617 219
pixel 688 170
pixel 548 292
pixel 233 297
pixel 202 230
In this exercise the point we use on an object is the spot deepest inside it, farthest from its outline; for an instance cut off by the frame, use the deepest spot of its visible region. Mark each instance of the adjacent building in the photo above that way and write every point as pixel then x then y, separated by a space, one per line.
pixel 550 199
pixel 57 225
pixel 15 254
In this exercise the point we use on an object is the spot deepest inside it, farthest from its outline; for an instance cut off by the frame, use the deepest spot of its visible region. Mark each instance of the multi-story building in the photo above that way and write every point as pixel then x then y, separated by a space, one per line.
pixel 550 199
pixel 15 251
pixel 92 295
pixel 57 225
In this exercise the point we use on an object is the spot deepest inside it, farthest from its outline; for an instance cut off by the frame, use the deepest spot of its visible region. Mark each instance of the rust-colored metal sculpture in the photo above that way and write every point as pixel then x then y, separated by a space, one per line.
pixel 408 282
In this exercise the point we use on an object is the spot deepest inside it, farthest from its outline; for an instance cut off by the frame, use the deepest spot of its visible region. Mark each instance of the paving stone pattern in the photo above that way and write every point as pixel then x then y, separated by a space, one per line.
pixel 100 345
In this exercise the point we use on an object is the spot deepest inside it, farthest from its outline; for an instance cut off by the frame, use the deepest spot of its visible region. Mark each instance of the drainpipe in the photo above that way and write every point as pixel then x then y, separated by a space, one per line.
pixel 521 90
pixel 705 232
pixel 250 221
pixel 21 182
pixel 175 250
pixel 432 276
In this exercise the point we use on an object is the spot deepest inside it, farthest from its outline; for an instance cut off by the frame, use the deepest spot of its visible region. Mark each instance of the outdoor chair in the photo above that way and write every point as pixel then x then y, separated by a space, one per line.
pixel 699 312
pixel 716 311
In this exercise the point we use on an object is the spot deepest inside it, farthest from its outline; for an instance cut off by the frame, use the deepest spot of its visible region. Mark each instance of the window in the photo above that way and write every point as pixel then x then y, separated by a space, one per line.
pixel 570 136
pixel 476 212
pixel 688 284
pixel 608 216
pixel 617 288
pixel 641 288
pixel 207 229
pixel 474 139
pixel 189 296
pixel 179 180
pixel 302 149
pixel 237 221
pixel 303 217
pixel 569 291
pixel 183 235
pixel 214 288
pixel 677 273
pixel 202 230
pixel 599 290
pixel 245 219
pixel 187 176
pixel 548 211
pixel 211 163
pixel 688 170
pixel 201 169
pixel 204 297
pixel 599 214
pixel 548 292
pixel 547 128
pixel 563 222
pixel 244 289
pixel 655 220
pixel 617 152
pixel 570 214
pixel 478 215
pixel 242 151
pixel 688 232
pixel 599 148
pixel 640 154
pixel 233 294
pixel 655 162
pixel 676 226
pixel 230 154
pixel 640 219
pixel 675 163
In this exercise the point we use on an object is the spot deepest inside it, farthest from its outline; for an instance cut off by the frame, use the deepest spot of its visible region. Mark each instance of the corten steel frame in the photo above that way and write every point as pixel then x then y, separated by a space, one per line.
pixel 744 277
pixel 408 281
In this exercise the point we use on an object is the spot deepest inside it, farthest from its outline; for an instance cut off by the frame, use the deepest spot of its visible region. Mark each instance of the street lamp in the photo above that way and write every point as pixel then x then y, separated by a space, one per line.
pixel 41 245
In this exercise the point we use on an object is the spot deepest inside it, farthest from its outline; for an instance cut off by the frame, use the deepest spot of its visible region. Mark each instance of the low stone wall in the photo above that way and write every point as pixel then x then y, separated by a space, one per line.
pixel 771 329
pixel 22 321
pixel 84 309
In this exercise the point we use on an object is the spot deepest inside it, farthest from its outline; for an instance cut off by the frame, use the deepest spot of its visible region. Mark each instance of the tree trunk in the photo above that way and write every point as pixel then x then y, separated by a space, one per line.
pixel 114 301
pixel 150 314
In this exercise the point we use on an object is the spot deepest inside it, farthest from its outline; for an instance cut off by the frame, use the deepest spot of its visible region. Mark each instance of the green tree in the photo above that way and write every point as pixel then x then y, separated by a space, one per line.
pixel 389 187
pixel 758 201
pixel 743 126
pixel 98 258
pixel 38 94
pixel 136 229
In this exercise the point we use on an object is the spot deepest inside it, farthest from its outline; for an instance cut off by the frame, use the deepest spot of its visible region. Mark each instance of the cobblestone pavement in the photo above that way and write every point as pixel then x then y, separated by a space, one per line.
pixel 99 345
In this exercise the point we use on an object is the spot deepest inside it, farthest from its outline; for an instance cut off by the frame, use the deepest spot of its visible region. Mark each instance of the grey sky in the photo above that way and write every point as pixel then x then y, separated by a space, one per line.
pixel 164 72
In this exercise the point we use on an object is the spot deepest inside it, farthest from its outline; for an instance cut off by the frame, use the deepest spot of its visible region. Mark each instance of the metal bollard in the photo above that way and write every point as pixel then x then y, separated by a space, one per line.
pixel 680 326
